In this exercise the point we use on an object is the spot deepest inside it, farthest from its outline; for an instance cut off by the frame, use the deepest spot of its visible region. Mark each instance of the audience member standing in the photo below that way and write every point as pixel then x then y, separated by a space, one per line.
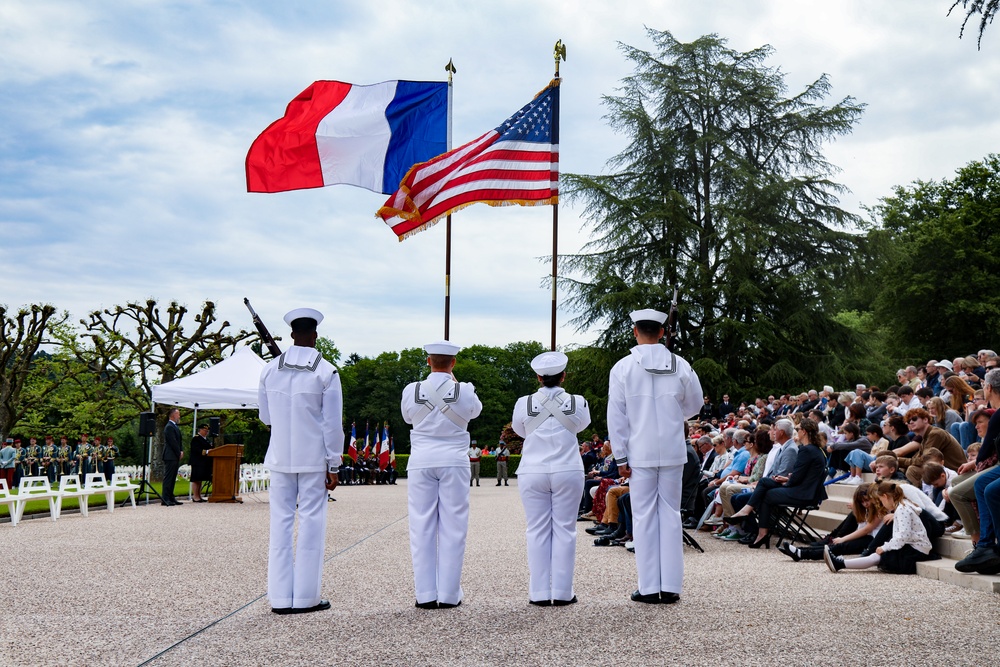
pixel 651 393
pixel 440 409
pixel 550 479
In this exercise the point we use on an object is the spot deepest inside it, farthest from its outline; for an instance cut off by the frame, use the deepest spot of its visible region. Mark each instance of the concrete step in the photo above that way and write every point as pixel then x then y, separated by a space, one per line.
pixel 944 570
pixel 836 506
pixel 950 547
pixel 825 521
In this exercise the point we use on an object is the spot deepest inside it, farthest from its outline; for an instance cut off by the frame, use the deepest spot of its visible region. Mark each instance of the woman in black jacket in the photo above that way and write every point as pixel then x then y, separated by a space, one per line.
pixel 802 487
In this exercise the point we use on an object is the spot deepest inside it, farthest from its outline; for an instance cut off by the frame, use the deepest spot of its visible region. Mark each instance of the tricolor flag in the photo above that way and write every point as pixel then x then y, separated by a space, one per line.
pixel 383 456
pixel 378 444
pixel 366 450
pixel 352 449
pixel 515 163
pixel 335 132
pixel 392 451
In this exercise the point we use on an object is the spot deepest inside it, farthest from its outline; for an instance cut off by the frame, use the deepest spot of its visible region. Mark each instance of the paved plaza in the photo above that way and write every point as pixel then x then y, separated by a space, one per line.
pixel 186 586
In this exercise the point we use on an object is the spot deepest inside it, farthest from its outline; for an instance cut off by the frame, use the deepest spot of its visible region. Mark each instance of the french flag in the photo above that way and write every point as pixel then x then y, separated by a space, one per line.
pixel 340 133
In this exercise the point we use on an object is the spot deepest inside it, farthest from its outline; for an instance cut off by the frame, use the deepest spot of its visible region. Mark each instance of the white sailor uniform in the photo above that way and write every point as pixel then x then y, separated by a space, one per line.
pixel 651 393
pixel 300 397
pixel 438 482
pixel 550 482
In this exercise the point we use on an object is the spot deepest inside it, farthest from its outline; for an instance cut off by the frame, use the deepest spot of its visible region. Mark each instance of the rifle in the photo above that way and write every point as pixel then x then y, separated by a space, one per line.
pixel 672 322
pixel 265 335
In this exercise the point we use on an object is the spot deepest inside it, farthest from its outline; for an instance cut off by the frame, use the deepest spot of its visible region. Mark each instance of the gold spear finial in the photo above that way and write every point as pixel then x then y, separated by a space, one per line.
pixel 450 69
pixel 560 53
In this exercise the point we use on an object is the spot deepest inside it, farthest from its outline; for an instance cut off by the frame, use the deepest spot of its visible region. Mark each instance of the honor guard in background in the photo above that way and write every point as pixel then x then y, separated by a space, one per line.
pixel 20 454
pixel 110 454
pixel 50 459
pixel 300 398
pixel 550 479
pixel 502 455
pixel 440 409
pixel 475 454
pixel 65 458
pixel 34 455
pixel 8 459
pixel 97 456
pixel 82 457
pixel 651 393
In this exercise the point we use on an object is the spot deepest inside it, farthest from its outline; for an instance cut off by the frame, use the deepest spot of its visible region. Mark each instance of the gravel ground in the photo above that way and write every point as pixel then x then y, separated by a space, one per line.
pixel 185 586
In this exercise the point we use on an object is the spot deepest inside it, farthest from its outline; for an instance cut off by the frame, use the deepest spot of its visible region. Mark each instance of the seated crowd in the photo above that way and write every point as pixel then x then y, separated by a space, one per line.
pixel 929 441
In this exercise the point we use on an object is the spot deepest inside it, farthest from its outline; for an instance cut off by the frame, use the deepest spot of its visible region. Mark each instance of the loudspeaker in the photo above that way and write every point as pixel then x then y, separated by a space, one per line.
pixel 147 424
pixel 214 426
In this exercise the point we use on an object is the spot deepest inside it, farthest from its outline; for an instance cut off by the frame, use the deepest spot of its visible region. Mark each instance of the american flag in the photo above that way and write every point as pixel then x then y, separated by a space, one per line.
pixel 515 163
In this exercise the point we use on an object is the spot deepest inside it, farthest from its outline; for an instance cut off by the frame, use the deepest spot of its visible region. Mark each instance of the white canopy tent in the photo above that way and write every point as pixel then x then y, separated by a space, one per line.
pixel 230 384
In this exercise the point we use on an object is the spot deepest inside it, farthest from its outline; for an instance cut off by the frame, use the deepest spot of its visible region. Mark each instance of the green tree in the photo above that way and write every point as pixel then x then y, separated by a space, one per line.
pixel 939 280
pixel 987 10
pixel 724 191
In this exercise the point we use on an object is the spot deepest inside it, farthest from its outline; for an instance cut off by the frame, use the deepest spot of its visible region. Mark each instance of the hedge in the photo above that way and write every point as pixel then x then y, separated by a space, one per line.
pixel 487 465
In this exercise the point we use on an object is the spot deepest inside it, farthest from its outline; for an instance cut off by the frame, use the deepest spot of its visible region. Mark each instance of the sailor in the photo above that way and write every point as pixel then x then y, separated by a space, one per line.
pixel 651 393
pixel 50 454
pixel 440 409
pixel 300 398
pixel 475 453
pixel 550 479
pixel 502 453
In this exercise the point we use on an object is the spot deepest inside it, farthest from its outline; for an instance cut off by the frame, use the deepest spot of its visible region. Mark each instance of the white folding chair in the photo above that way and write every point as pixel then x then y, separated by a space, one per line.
pixel 36 488
pixel 10 500
pixel 69 487
pixel 120 482
pixel 97 484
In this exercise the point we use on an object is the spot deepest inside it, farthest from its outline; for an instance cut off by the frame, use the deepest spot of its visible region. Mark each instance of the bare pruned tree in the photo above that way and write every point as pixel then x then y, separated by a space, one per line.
pixel 138 345
pixel 20 337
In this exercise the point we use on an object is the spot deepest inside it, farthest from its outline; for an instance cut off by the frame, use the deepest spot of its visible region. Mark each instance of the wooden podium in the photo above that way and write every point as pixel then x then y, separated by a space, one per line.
pixel 225 473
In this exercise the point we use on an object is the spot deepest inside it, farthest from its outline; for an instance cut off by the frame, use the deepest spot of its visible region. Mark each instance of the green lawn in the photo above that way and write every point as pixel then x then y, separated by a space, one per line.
pixel 42 506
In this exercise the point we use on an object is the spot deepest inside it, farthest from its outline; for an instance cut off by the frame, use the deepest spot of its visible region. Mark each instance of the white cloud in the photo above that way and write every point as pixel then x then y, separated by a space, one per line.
pixel 125 127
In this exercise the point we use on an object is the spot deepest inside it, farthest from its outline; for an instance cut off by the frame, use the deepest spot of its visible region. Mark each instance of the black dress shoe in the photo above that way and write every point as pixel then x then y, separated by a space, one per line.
pixel 563 603
pixel 749 538
pixel 433 604
pixel 541 603
pixel 599 529
pixel 602 542
pixel 669 598
pixel 166 504
pixel 652 598
pixel 445 605
pixel 178 502
pixel 322 606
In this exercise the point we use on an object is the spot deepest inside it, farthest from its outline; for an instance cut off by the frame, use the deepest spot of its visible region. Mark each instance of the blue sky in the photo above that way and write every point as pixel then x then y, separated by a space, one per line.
pixel 124 127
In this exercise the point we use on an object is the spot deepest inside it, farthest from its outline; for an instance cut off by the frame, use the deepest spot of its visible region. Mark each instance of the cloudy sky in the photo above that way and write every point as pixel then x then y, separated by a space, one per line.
pixel 124 125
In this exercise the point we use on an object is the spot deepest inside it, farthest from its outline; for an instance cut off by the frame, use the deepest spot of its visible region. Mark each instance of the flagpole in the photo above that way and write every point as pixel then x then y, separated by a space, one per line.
pixel 450 68
pixel 560 52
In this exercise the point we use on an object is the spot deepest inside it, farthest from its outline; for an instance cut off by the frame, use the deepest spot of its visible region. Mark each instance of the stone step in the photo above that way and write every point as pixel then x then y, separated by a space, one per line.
pixel 836 506
pixel 950 547
pixel 944 570
pixel 825 521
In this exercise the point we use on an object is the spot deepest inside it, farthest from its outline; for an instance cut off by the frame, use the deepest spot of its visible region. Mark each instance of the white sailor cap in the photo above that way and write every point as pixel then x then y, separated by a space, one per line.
pixel 299 313
pixel 445 347
pixel 648 314
pixel 549 363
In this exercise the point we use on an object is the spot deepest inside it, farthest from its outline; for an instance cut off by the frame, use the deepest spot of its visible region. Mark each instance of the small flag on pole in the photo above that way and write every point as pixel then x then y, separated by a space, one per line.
pixel 515 163
pixel 367 450
pixel 341 133
pixel 352 449
pixel 383 456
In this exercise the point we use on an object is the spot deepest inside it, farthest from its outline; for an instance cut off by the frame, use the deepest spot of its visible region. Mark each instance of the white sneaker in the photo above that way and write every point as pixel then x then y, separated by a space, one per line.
pixel 853 481
pixel 714 521
pixel 961 535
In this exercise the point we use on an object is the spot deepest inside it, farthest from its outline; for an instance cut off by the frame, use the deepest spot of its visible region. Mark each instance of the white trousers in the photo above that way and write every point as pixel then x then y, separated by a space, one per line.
pixel 656 528
pixel 295 571
pixel 550 504
pixel 438 502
